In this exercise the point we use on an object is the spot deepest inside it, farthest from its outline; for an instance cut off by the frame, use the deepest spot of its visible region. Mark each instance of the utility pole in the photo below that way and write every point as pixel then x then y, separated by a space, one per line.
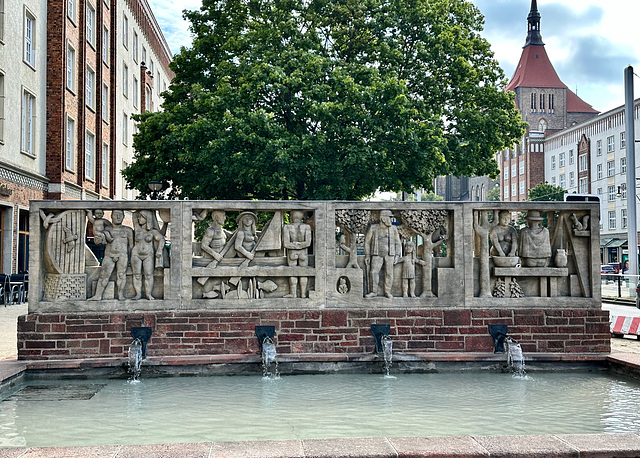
pixel 632 221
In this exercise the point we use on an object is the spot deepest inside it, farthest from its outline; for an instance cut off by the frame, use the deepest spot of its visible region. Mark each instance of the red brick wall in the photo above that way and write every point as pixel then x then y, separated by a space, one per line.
pixel 56 336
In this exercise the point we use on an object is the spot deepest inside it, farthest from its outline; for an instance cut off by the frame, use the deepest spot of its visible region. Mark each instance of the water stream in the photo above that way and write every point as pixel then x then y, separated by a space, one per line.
pixel 269 361
pixel 515 359
pixel 135 360
pixel 387 352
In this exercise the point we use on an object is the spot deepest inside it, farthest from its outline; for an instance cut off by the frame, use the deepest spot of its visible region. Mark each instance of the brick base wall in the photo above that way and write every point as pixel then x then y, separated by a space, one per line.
pixel 60 336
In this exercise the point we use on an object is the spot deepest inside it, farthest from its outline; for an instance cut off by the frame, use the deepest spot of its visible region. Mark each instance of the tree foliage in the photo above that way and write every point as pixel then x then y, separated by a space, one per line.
pixel 546 191
pixel 326 99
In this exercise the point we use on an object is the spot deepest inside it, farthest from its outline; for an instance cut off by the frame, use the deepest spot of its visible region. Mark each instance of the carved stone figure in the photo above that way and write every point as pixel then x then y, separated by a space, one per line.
pixel 482 227
pixel 579 224
pixel 535 246
pixel 246 238
pixel 146 254
pixel 382 248
pixel 429 243
pixel 353 222
pixel 504 237
pixel 116 255
pixel 409 261
pixel 213 242
pixel 343 286
pixel 100 224
pixel 297 240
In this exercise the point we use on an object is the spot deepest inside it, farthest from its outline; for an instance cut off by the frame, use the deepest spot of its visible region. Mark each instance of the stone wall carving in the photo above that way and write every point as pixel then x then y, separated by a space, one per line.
pixel 207 255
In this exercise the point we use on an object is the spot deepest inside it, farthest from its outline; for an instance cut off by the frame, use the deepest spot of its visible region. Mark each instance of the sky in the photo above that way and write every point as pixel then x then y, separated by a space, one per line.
pixel 589 42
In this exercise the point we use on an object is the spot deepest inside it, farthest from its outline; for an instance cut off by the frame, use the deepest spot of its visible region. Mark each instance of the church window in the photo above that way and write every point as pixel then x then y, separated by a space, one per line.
pixel 541 102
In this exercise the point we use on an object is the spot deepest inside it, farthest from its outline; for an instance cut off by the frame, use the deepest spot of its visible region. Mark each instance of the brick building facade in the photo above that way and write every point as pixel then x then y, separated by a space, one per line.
pixel 72 73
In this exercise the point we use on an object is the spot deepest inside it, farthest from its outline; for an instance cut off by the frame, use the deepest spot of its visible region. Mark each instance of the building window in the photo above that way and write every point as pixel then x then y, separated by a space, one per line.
pixel 135 92
pixel 125 80
pixel 506 172
pixel 563 181
pixel 623 217
pixel 611 168
pixel 582 162
pixel 71 10
pixel 90 94
pixel 144 54
pixel 599 171
pixel 105 102
pixel 29 39
pixel 1 39
pixel 513 170
pixel 553 181
pixel 599 147
pixel 89 155
pixel 28 122
pixel 521 168
pixel 623 190
pixel 125 31
pixel 572 180
pixel 1 111
pixel 599 193
pixel 506 192
pixel 551 108
pixel 105 45
pixel 91 24
pixel 623 165
pixel 134 48
pixel 561 160
pixel 23 240
pixel 611 190
pixel 71 68
pixel 522 187
pixel 571 159
pixel 541 102
pixel 105 165
pixel 533 101
pixel 513 190
pixel 147 100
pixel 125 130
pixel 70 134
pixel 622 142
pixel 612 220
pixel 611 144
pixel 584 185
pixel 553 162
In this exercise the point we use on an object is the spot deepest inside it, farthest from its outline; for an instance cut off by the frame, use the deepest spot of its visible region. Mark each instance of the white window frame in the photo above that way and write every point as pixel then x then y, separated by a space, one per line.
pixel 125 31
pixel 553 180
pixel 70 142
pixel 89 155
pixel 612 219
pixel 148 105
pixel 506 172
pixel 71 10
pixel 71 68
pixel 623 165
pixel 513 170
pixel 599 147
pixel 623 143
pixel 611 168
pixel 134 92
pixel 571 158
pixel 90 23
pixel 599 171
pixel 125 80
pixel 506 192
pixel 514 190
pixel 611 191
pixel 27 124
pixel 105 165
pixel 553 162
pixel 572 180
pixel 125 128
pixel 1 21
pixel 623 218
pixel 522 187
pixel 105 45
pixel 583 185
pixel 29 53
pixel 521 168
pixel 561 160
pixel 105 102
pixel 582 163
pixel 611 144
pixel 134 47
pixel 563 181
pixel 144 55
pixel 90 87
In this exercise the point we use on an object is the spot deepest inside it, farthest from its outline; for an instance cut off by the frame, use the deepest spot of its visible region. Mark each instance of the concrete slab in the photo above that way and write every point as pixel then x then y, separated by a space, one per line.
pixel 192 450
pixel 12 452
pixel 604 445
pixel 439 446
pixel 526 446
pixel 258 449
pixel 370 447
pixel 101 451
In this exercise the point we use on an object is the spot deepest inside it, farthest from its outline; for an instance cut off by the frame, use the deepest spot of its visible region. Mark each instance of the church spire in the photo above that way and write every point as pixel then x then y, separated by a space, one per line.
pixel 533 34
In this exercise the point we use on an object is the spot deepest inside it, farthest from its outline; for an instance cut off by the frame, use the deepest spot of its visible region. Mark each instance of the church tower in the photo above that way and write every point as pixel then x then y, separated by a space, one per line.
pixel 546 104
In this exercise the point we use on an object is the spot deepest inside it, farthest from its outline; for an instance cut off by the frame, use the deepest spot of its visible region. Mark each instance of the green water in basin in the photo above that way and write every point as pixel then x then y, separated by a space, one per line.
pixel 237 408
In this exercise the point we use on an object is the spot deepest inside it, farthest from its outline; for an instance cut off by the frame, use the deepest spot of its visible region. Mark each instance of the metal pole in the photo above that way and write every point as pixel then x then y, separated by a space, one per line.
pixel 632 221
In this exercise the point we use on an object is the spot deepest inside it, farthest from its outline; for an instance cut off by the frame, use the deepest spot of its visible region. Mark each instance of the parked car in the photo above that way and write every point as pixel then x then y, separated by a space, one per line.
pixel 607 269
pixel 616 267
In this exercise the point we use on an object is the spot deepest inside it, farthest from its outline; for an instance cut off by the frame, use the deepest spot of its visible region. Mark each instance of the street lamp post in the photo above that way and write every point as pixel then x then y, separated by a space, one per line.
pixel 632 233
pixel 155 187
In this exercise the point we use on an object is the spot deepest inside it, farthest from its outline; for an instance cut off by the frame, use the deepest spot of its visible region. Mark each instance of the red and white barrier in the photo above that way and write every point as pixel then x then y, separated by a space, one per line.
pixel 625 324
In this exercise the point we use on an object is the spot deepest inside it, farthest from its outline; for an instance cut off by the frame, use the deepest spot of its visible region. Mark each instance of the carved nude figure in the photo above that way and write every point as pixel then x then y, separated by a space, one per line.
pixel 504 237
pixel 146 254
pixel 215 238
pixel 382 248
pixel 246 238
pixel 429 245
pixel 100 224
pixel 297 240
pixel 535 246
pixel 409 261
pixel 119 240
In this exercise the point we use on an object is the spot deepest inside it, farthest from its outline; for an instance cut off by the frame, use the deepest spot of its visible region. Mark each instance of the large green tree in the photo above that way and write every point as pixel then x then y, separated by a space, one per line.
pixel 326 99
pixel 546 191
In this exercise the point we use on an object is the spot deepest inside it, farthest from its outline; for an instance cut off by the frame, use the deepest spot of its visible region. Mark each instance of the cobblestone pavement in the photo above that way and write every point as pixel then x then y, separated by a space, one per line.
pixel 9 317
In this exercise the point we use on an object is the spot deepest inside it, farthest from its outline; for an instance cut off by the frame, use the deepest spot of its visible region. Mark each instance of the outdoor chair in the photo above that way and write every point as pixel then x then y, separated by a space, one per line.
pixel 17 288
pixel 4 289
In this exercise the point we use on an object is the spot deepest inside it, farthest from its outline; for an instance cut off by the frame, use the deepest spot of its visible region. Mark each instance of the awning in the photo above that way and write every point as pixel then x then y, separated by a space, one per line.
pixel 605 242
pixel 615 243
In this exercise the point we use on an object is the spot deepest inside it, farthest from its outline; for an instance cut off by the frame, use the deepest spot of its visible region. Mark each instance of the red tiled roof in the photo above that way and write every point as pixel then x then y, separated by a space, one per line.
pixel 535 70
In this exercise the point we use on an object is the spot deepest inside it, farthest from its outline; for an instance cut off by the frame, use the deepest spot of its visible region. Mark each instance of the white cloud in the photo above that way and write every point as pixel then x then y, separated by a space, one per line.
pixel 169 16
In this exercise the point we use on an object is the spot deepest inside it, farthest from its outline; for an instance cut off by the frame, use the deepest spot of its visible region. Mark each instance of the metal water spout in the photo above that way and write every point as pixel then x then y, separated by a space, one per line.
pixel 499 334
